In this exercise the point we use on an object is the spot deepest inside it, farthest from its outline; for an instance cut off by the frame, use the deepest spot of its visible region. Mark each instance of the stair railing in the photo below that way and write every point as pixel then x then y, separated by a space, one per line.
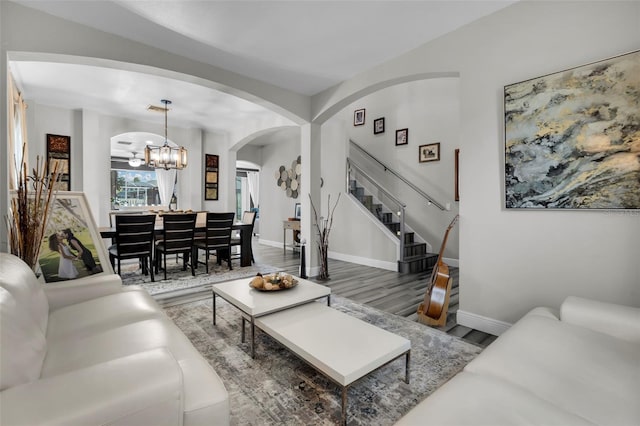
pixel 354 171
pixel 386 168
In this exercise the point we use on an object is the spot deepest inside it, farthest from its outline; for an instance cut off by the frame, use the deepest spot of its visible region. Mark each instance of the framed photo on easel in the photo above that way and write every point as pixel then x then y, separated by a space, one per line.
pixel 72 246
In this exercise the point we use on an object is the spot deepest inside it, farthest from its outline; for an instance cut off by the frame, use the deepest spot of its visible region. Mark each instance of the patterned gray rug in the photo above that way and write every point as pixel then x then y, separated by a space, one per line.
pixel 277 388
pixel 182 282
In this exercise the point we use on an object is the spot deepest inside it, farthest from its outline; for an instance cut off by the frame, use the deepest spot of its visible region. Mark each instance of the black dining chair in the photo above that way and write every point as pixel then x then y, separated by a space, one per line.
pixel 217 238
pixel 177 238
pixel 247 218
pixel 134 240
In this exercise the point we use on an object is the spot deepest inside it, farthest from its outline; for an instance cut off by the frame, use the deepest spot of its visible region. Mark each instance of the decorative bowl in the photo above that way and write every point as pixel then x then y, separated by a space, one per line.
pixel 273 282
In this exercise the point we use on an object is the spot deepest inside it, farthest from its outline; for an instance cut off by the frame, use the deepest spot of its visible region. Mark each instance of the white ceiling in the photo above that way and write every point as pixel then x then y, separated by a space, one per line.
pixel 303 46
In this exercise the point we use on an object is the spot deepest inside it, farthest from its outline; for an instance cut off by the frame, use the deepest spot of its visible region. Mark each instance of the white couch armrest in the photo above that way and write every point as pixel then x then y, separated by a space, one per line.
pixel 81 289
pixel 145 388
pixel 619 321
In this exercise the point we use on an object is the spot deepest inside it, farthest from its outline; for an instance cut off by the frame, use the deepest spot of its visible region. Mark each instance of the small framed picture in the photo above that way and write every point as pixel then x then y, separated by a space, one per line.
pixel 402 137
pixel 430 152
pixel 358 117
pixel 378 126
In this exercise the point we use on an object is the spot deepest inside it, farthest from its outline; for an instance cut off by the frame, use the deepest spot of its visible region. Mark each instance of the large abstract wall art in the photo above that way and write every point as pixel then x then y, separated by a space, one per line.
pixel 572 139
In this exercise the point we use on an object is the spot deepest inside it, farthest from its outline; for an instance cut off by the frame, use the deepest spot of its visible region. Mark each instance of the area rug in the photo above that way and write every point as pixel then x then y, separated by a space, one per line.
pixel 179 281
pixel 277 388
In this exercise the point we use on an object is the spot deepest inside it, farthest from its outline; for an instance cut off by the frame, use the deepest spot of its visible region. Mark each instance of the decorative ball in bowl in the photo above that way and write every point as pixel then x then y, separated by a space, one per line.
pixel 273 282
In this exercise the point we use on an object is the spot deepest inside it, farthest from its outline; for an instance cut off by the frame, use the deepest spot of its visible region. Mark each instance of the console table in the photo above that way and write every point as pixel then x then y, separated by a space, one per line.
pixel 294 225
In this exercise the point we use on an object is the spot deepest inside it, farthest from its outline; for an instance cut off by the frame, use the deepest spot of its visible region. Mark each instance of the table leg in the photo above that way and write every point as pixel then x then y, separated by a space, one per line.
pixel 344 405
pixel 242 331
pixel 284 240
pixel 214 309
pixel 253 338
pixel 407 363
pixel 245 248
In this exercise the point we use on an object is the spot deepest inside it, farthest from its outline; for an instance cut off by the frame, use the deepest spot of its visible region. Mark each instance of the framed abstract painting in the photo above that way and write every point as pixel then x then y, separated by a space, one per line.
pixel 572 138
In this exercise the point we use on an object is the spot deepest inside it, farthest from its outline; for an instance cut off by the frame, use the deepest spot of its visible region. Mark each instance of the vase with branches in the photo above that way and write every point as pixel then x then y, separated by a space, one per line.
pixel 323 228
pixel 29 210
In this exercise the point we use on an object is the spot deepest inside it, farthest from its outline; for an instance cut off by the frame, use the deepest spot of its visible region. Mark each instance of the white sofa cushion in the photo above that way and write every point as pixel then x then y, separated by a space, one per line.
pixel 470 399
pixel 205 396
pixel 101 314
pixel 140 389
pixel 575 368
pixel 21 282
pixel 23 343
pixel 620 321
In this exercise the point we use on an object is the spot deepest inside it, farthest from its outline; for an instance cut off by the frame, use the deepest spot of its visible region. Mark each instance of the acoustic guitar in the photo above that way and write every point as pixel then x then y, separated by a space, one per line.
pixel 434 298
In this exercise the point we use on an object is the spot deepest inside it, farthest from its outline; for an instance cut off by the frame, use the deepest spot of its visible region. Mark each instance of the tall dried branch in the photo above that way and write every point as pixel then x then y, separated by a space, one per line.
pixel 30 207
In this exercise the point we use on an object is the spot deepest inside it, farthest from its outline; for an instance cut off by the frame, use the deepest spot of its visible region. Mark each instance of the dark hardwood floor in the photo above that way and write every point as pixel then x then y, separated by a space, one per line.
pixel 388 291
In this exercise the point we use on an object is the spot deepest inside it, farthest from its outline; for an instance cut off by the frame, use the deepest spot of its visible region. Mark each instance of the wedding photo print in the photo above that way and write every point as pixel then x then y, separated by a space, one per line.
pixel 71 247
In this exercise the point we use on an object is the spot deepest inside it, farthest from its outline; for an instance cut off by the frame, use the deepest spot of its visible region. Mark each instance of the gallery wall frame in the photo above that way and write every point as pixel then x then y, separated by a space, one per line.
pixel 358 117
pixel 211 176
pixel 429 152
pixel 571 138
pixel 378 126
pixel 59 152
pixel 73 225
pixel 402 137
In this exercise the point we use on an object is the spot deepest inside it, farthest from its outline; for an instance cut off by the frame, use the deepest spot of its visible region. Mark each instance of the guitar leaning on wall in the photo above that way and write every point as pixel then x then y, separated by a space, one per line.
pixel 436 299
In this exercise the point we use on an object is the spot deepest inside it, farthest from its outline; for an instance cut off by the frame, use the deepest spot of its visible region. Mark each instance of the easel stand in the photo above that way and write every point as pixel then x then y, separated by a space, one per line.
pixel 442 320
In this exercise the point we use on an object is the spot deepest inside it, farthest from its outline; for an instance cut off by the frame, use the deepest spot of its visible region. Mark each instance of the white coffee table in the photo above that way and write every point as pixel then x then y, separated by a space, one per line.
pixel 254 303
pixel 340 346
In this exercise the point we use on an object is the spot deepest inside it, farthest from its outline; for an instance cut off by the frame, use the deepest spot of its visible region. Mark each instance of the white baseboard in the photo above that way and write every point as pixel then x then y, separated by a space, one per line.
pixel 270 243
pixel 478 322
pixel 382 264
pixel 374 263
pixel 451 262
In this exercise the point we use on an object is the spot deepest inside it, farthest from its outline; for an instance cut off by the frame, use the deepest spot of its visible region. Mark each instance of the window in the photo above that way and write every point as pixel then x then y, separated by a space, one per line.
pixel 134 188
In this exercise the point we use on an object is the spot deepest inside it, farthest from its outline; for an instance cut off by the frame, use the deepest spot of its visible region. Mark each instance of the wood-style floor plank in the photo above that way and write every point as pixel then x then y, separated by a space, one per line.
pixel 389 291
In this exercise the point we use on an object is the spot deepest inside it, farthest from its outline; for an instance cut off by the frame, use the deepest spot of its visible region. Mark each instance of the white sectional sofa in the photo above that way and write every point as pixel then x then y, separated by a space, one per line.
pixel 579 366
pixel 90 352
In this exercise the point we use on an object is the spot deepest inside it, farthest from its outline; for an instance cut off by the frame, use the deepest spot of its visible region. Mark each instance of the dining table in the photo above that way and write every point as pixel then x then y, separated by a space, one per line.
pixel 244 228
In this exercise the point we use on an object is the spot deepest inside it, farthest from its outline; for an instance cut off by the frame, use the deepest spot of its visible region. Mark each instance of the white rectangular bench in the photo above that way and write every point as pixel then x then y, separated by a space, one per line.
pixel 340 346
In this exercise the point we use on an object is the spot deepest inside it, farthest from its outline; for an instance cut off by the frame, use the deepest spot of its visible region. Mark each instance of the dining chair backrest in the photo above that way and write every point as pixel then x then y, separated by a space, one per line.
pixel 219 230
pixel 134 235
pixel 178 232
pixel 249 217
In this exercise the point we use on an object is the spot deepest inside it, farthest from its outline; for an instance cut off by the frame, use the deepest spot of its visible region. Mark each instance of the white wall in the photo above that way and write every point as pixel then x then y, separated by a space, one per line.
pixel 511 260
pixel 275 206
pixel 430 110
pixel 34 35
pixel 91 133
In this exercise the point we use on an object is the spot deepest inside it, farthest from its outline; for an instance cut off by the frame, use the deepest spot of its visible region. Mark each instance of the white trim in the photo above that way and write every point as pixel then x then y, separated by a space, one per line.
pixel 478 322
pixel 451 262
pixel 382 264
pixel 277 244
pixel 374 220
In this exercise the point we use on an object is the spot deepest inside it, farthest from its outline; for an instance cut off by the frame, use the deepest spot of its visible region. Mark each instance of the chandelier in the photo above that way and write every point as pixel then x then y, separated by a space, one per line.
pixel 165 156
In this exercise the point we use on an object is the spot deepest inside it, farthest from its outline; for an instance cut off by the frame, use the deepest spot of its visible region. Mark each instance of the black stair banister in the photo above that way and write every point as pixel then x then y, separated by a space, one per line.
pixel 399 176
pixel 413 256
pixel 367 200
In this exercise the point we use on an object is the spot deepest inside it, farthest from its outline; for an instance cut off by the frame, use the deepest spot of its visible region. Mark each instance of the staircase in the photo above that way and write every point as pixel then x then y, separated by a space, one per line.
pixel 415 257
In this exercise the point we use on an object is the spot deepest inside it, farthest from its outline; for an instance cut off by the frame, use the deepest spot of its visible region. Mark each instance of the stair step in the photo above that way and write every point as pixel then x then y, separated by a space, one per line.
pixel 409 237
pixel 393 227
pixel 415 249
pixel 418 263
pixel 367 200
